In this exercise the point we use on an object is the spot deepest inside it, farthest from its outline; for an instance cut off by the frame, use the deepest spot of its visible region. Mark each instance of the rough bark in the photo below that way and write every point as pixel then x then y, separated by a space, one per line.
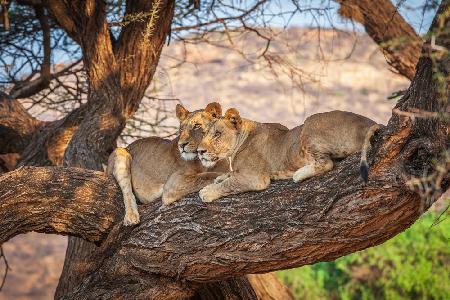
pixel 384 24
pixel 39 143
pixel 17 126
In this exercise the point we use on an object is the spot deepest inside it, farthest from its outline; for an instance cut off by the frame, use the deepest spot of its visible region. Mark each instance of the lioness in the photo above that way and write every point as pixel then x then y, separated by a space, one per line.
pixel 257 152
pixel 153 167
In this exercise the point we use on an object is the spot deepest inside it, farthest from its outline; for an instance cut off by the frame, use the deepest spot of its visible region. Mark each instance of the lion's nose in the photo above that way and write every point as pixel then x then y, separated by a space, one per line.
pixel 201 151
pixel 182 145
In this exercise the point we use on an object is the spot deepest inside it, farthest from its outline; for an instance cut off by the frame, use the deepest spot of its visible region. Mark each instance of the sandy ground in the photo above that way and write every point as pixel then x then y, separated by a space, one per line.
pixel 360 84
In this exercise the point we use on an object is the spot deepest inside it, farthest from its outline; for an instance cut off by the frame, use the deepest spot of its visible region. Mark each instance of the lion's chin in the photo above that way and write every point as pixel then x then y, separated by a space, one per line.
pixel 208 163
pixel 188 155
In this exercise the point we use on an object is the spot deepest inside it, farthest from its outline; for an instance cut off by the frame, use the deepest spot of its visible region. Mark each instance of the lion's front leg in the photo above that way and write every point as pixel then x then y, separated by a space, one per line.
pixel 180 185
pixel 222 177
pixel 234 184
pixel 211 192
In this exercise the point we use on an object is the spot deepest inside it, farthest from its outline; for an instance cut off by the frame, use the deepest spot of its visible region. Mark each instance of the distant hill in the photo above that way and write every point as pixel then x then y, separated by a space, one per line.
pixel 341 70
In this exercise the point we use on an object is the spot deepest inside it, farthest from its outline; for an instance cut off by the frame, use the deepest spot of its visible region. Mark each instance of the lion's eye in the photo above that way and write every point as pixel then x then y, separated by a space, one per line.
pixel 197 126
pixel 217 134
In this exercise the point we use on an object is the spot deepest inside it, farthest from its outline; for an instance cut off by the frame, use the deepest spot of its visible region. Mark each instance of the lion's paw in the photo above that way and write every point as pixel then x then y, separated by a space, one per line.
pixel 167 200
pixel 221 178
pixel 209 193
pixel 131 217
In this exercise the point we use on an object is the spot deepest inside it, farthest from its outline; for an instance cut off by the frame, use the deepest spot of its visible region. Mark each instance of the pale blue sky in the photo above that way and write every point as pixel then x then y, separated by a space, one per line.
pixel 323 14
pixel 409 9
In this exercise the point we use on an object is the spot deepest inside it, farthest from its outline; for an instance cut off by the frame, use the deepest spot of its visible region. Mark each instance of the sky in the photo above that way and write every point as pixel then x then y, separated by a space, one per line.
pixel 411 10
pixel 324 15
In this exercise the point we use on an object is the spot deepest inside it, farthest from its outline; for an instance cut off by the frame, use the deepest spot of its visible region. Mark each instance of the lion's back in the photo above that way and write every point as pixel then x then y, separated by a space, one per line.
pixel 338 133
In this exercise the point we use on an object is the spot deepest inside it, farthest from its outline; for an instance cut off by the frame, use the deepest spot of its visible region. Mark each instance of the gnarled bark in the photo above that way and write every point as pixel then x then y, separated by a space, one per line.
pixel 39 143
pixel 17 126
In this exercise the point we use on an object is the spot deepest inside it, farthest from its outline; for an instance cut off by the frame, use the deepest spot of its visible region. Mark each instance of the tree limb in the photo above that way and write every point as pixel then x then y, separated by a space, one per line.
pixel 17 126
pixel 39 207
pixel 384 24
pixel 63 16
pixel 139 47
pixel 38 142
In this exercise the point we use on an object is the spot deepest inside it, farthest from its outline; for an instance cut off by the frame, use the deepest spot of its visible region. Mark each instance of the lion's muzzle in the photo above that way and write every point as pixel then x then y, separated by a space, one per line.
pixel 207 159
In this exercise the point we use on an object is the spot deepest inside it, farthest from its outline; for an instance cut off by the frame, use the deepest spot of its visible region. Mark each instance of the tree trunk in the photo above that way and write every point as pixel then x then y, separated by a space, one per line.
pixel 110 100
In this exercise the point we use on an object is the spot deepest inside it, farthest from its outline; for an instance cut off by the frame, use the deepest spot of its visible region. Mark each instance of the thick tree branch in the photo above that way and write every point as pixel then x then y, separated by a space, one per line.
pixel 286 226
pixel 34 207
pixel 39 143
pixel 17 126
pixel 48 145
pixel 63 16
pixel 384 24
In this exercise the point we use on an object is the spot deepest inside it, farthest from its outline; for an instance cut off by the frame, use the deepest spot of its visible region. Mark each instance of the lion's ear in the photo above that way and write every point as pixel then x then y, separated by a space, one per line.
pixel 182 112
pixel 214 109
pixel 233 116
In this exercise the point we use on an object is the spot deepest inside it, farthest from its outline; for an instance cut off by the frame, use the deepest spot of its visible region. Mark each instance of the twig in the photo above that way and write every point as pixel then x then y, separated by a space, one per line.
pixel 2 255
pixel 418 113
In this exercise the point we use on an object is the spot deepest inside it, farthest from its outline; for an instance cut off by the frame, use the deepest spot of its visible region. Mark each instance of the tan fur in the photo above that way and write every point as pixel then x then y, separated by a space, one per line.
pixel 154 167
pixel 259 152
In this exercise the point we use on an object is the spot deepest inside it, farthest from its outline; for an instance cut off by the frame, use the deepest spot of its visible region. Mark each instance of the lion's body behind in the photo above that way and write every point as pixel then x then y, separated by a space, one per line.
pixel 335 133
pixel 259 152
pixel 154 160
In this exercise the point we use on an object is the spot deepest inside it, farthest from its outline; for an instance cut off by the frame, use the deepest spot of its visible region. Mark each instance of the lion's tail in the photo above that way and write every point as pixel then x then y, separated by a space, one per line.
pixel 363 166
pixel 119 165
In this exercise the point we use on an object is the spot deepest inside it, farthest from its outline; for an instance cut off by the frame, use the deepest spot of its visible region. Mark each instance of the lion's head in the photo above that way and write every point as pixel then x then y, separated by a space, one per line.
pixel 193 126
pixel 221 139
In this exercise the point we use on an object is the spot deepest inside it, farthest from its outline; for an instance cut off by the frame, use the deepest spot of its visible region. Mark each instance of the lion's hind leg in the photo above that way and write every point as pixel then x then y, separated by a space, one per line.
pixel 119 165
pixel 319 164
pixel 149 192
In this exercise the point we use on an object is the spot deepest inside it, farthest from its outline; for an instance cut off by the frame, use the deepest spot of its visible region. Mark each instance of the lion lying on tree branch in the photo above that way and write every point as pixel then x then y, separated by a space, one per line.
pixel 256 153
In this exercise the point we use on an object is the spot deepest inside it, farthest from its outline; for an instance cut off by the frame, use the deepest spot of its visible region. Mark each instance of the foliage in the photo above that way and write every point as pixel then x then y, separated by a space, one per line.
pixel 413 265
